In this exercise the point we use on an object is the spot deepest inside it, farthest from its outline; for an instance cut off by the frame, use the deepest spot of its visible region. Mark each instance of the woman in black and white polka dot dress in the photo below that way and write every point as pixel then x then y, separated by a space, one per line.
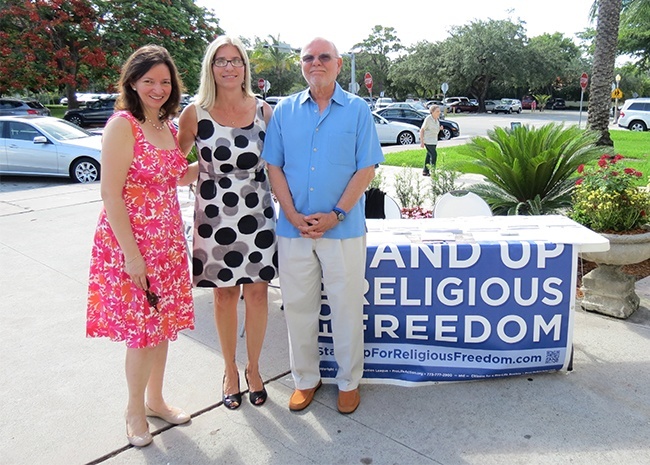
pixel 234 225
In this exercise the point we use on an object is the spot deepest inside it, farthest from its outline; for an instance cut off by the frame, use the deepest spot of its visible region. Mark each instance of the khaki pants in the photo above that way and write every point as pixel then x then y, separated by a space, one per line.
pixel 341 263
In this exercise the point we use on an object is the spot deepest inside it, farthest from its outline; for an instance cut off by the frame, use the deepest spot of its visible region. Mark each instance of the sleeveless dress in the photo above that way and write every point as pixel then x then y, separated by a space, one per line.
pixel 116 307
pixel 234 225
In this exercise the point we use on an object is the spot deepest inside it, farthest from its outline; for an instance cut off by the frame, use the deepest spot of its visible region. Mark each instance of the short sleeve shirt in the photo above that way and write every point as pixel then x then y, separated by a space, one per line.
pixel 319 153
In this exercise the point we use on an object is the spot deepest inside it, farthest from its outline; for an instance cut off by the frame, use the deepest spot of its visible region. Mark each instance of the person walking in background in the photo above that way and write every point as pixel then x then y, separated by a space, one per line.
pixel 139 287
pixel 322 149
pixel 429 138
pixel 235 247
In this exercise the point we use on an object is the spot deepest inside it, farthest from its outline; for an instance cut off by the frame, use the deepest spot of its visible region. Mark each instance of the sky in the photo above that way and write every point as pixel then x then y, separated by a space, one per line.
pixel 348 22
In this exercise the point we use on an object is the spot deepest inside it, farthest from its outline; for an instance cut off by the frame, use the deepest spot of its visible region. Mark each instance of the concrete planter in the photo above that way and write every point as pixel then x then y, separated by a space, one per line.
pixel 607 289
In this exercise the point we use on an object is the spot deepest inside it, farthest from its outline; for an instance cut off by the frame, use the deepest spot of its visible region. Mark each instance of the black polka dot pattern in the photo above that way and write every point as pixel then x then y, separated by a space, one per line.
pixel 234 226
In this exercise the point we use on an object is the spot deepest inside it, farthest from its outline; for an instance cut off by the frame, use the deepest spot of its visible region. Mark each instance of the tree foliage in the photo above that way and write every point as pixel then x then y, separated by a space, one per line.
pixel 477 54
pixel 275 61
pixel 634 35
pixel 52 45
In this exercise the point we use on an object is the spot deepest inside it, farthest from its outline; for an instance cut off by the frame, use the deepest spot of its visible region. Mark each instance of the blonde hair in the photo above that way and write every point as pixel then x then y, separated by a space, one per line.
pixel 207 93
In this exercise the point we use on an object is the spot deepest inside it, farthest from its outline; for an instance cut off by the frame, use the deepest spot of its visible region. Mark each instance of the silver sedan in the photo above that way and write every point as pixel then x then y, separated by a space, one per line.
pixel 393 132
pixel 47 146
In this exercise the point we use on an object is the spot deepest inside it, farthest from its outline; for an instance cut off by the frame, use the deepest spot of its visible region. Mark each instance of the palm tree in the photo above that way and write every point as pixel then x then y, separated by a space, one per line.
pixel 609 12
pixel 276 59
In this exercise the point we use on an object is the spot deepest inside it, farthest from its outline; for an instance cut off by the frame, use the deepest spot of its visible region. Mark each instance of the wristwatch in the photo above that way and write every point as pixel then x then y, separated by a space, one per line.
pixel 340 214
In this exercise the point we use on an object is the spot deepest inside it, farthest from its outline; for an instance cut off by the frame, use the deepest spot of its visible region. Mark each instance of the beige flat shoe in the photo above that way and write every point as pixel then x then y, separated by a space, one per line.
pixel 175 416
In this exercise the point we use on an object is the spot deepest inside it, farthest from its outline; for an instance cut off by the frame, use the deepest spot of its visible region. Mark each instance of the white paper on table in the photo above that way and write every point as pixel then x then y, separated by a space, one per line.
pixel 437 236
pixel 377 238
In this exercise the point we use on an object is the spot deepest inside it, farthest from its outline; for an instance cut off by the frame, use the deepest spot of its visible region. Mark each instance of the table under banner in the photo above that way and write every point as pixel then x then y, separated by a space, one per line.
pixel 467 298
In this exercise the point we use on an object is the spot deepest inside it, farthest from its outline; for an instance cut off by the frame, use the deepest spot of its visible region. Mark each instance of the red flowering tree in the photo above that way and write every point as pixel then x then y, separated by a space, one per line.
pixel 46 45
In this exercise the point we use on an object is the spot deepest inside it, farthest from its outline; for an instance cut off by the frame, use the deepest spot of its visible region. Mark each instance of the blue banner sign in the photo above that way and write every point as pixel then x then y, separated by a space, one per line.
pixel 463 311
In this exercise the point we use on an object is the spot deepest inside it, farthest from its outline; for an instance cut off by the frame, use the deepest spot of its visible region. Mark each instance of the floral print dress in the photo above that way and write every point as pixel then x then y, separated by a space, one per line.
pixel 116 307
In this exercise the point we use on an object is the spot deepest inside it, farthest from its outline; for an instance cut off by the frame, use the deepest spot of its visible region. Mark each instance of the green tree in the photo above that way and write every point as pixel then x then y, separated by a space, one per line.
pixel 180 26
pixel 634 34
pixel 482 52
pixel 276 62
pixel 372 55
pixel 552 61
pixel 419 71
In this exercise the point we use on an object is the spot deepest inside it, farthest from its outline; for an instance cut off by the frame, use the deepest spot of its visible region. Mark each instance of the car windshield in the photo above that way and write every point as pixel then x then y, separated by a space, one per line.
pixel 62 130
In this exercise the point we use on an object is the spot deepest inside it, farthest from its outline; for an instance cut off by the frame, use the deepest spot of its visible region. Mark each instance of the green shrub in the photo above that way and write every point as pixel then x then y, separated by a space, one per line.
pixel 530 171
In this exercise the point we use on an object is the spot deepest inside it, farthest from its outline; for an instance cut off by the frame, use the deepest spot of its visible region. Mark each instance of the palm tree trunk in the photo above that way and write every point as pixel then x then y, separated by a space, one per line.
pixel 609 12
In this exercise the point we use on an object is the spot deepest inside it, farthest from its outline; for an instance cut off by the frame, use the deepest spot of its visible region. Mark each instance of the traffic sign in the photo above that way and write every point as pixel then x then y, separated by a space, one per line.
pixel 260 83
pixel 367 79
pixel 584 80
pixel 617 93
pixel 444 87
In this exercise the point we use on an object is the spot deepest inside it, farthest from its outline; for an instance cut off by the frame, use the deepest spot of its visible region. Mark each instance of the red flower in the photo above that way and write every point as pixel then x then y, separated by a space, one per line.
pixel 629 171
pixel 602 162
pixel 579 181
pixel 581 168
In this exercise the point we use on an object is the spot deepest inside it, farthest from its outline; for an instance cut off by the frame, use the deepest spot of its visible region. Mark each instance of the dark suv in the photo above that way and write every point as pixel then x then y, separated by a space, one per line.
pixel 93 114
pixel 556 104
pixel 19 107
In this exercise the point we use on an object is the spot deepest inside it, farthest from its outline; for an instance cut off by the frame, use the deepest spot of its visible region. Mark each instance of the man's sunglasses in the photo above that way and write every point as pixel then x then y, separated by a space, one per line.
pixel 152 298
pixel 323 58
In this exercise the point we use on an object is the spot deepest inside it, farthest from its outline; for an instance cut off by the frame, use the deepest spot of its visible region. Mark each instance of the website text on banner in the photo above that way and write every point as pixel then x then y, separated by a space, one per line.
pixel 451 312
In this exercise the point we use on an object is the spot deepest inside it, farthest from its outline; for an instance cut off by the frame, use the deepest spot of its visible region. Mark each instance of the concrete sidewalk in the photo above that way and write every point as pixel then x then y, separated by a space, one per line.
pixel 63 396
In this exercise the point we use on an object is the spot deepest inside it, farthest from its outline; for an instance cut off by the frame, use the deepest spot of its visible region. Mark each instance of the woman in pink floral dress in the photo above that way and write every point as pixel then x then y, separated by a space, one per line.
pixel 139 287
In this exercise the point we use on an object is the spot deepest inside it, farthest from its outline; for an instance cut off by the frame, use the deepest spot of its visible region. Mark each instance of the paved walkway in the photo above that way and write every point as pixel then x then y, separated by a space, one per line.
pixel 63 396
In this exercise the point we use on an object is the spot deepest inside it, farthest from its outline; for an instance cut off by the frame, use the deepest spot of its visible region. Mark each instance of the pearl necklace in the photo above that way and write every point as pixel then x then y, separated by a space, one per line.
pixel 159 128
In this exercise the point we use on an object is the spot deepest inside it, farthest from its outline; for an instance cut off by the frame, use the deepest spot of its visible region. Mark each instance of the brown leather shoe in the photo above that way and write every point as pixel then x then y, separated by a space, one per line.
pixel 301 398
pixel 349 400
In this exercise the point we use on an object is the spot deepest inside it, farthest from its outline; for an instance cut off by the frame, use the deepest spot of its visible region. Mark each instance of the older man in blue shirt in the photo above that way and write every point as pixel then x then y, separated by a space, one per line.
pixel 321 148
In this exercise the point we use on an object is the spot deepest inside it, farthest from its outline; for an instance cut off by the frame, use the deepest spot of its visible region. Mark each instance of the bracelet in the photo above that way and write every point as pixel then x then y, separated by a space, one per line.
pixel 133 259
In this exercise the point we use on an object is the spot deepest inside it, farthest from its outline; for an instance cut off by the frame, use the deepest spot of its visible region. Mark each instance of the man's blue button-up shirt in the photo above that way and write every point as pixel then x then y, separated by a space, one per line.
pixel 320 152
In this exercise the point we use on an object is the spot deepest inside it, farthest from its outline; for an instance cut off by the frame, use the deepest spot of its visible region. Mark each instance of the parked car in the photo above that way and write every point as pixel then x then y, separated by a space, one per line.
pixel 17 106
pixel 463 106
pixel 508 105
pixel 635 114
pixel 272 100
pixel 84 98
pixel 94 114
pixel 394 132
pixel 383 102
pixel 412 105
pixel 449 101
pixel 47 146
pixel 556 104
pixel 527 102
pixel 490 104
pixel 434 102
pixel 416 118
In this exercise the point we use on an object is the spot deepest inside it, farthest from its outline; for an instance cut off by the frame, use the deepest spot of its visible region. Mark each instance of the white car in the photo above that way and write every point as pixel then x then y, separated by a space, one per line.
pixel 393 132
pixel 383 102
pixel 635 114
pixel 48 146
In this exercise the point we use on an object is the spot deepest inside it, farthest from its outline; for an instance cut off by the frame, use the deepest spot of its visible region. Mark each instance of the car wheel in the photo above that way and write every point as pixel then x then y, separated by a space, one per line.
pixel 405 138
pixel 85 170
pixel 519 111
pixel 510 111
pixel 637 126
pixel 446 134
pixel 74 119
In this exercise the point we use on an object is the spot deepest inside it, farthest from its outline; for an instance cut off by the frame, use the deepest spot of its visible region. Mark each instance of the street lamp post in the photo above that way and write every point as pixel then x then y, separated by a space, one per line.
pixel 618 80
pixel 353 87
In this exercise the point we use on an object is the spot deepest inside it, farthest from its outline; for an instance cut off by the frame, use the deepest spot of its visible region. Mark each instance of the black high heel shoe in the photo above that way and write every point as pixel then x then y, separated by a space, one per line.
pixel 257 398
pixel 231 401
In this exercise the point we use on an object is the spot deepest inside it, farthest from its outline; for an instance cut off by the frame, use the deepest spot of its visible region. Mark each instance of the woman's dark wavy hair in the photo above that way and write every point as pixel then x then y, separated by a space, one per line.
pixel 136 66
